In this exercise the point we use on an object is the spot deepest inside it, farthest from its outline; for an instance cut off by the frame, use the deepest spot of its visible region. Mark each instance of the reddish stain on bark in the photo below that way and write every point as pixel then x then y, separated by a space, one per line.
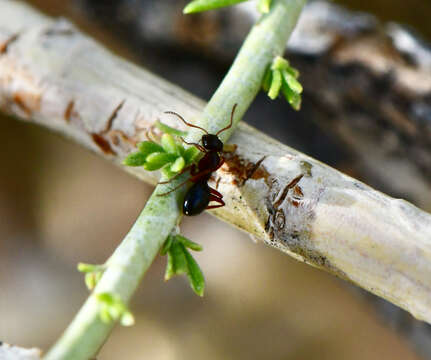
pixel 69 111
pixel 103 144
pixel 244 170
pixel 19 100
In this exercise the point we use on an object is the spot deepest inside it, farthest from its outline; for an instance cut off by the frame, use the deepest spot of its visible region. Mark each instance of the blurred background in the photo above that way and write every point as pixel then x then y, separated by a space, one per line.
pixel 60 205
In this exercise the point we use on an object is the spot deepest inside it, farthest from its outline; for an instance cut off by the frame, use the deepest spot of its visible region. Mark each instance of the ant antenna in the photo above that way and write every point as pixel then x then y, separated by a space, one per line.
pixel 185 122
pixel 198 146
pixel 231 121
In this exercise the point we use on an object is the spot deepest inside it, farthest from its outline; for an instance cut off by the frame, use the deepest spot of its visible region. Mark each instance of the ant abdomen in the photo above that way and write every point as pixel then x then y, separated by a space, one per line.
pixel 196 199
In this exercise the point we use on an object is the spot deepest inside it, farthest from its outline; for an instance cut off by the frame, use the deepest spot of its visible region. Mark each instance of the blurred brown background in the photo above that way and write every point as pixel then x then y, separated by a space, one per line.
pixel 60 205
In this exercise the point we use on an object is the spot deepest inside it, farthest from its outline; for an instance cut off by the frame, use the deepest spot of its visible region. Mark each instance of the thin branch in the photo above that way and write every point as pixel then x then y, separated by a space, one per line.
pixel 327 219
pixel 131 259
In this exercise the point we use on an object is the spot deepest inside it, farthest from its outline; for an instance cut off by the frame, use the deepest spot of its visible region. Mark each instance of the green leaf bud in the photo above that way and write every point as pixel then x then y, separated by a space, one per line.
pixel 178 165
pixel 149 147
pixel 168 144
pixel 291 81
pixel 275 84
pixel 188 243
pixel 205 5
pixel 135 159
pixel 157 160
pixel 196 278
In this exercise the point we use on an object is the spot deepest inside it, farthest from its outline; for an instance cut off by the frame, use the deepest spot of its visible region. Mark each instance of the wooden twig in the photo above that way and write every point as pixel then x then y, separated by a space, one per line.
pixel 53 75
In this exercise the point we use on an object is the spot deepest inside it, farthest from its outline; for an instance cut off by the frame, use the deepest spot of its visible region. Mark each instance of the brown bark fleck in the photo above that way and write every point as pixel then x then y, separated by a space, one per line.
pixel 103 144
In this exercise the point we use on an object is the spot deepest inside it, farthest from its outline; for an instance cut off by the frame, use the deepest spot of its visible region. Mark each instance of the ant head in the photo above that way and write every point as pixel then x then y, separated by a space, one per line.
pixel 212 142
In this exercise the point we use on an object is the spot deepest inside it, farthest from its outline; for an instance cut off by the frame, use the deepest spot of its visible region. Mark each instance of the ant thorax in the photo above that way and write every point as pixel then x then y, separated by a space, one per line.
pixel 210 161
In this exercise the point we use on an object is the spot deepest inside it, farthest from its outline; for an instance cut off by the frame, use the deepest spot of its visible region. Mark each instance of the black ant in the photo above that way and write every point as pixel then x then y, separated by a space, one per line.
pixel 200 194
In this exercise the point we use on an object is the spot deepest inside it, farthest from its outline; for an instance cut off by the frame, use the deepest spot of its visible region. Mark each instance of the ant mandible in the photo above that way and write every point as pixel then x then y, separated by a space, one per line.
pixel 200 194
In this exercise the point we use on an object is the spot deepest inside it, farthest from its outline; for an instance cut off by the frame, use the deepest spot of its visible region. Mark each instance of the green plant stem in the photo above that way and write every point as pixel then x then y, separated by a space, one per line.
pixel 127 265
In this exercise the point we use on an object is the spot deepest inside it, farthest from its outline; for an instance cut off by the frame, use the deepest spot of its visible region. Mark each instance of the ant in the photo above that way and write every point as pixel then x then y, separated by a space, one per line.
pixel 200 194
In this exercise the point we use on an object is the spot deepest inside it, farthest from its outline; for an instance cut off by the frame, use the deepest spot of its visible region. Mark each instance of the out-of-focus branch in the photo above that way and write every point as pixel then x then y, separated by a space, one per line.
pixel 52 75
pixel 9 352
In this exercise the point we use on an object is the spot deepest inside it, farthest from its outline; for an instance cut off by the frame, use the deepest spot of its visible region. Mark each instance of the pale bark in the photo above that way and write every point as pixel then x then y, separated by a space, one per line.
pixel 10 352
pixel 52 75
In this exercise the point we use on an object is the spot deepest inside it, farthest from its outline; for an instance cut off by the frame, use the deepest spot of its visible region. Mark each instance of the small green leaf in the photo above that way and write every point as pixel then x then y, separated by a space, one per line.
pixel 188 243
pixel 264 6
pixel 266 83
pixel 155 161
pixel 177 263
pixel 127 319
pixel 85 268
pixel 292 71
pixel 135 159
pixel 169 145
pixel 90 281
pixel 291 81
pixel 93 273
pixel 190 154
pixel 196 278
pixel 105 297
pixel 166 245
pixel 204 5
pixel 275 84
pixel 167 173
pixel 105 316
pixel 169 130
pixel 178 165
pixel 279 63
pixel 149 147
pixel 115 310
pixel 294 99
pixel 112 308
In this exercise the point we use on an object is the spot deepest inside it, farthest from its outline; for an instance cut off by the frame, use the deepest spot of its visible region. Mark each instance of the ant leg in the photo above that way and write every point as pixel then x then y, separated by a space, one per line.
pixel 175 188
pixel 216 193
pixel 216 199
pixel 190 167
pixel 199 147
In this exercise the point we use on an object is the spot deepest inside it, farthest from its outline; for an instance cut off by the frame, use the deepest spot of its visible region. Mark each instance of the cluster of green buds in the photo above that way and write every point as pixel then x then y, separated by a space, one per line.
pixel 169 156
pixel 180 261
pixel 92 272
pixel 196 6
pixel 112 308
pixel 281 76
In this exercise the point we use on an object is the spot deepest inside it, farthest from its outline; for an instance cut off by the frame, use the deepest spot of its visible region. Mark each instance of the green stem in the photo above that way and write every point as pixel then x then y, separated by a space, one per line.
pixel 127 265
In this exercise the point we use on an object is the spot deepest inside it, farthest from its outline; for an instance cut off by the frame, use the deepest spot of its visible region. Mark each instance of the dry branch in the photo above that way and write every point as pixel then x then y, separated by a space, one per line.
pixel 53 75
